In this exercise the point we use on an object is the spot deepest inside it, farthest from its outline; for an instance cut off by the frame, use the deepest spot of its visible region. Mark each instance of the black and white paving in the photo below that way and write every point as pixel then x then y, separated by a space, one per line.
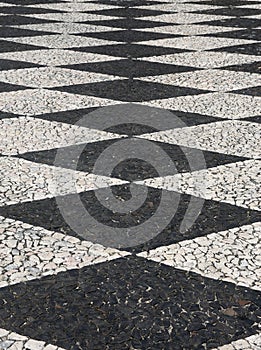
pixel 176 83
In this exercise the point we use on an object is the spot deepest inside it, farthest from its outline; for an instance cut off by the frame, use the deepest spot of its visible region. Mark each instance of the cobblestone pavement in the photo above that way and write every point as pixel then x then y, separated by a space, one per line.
pixel 176 83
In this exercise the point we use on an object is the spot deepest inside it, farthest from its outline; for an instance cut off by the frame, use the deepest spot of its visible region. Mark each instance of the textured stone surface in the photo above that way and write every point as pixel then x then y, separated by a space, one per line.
pixel 190 284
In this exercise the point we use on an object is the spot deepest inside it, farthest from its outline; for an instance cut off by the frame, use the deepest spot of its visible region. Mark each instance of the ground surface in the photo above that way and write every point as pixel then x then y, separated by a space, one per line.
pixel 172 288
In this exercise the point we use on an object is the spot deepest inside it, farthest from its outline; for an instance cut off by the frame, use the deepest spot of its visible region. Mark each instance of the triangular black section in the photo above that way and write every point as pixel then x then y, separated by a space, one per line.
pixel 9 64
pixel 213 217
pixel 5 115
pixel 131 68
pixel 129 90
pixel 130 50
pixel 248 34
pixel 23 10
pixel 231 11
pixel 20 20
pixel 9 32
pixel 191 119
pixel 249 49
pixel 233 22
pixel 85 163
pixel 252 91
pixel 225 3
pixel 6 87
pixel 247 67
pixel 129 303
pixel 73 116
pixel 129 12
pixel 70 117
pixel 129 36
pixel 30 2
pixel 256 119
pixel 129 3
pixel 129 23
pixel 9 46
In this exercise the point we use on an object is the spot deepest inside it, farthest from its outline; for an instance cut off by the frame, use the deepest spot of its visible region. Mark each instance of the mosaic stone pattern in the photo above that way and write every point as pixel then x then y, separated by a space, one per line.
pixel 180 290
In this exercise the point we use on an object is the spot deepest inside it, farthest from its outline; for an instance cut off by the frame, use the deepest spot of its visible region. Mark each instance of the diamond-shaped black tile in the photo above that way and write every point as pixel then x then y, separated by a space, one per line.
pixel 73 116
pixel 129 90
pixel 93 150
pixel 214 216
pixel 129 23
pixel 129 303
pixel 130 68
pixel 129 12
pixel 129 35
pixel 130 50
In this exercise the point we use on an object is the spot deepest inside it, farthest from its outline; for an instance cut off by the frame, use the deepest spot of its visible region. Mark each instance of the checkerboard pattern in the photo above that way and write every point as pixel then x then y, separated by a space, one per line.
pixel 62 60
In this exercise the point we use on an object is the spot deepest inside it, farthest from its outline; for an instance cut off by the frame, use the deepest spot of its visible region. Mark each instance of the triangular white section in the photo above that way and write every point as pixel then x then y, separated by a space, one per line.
pixel 24 134
pixel 237 183
pixel 230 255
pixel 44 252
pixel 49 77
pixel 216 104
pixel 55 57
pixel 16 341
pixel 32 102
pixel 60 41
pixel 235 137
pixel 26 181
